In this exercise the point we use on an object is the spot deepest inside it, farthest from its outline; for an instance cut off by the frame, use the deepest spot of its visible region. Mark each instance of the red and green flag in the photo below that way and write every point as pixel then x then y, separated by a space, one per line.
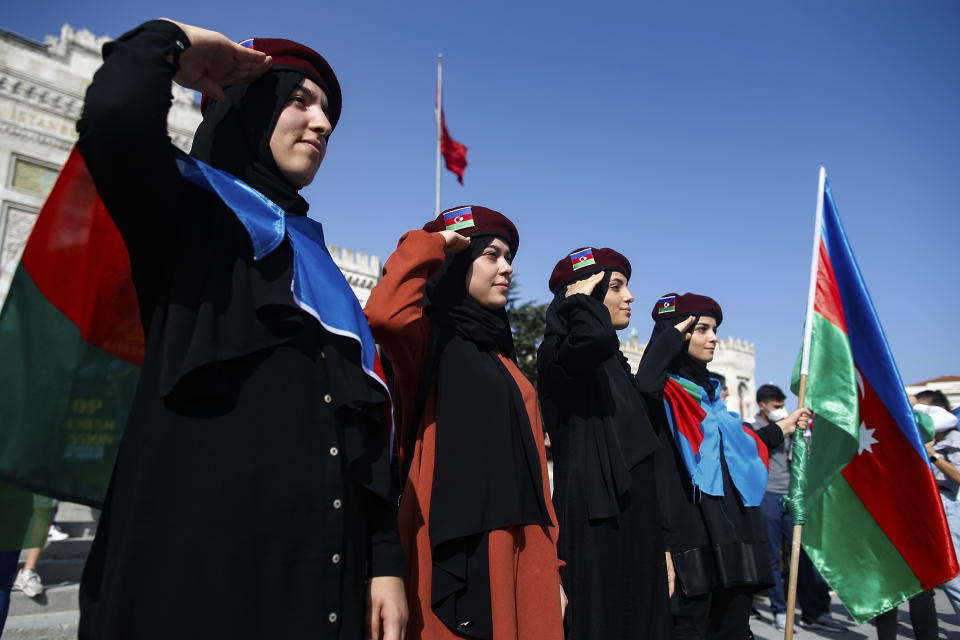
pixel 864 491
pixel 72 346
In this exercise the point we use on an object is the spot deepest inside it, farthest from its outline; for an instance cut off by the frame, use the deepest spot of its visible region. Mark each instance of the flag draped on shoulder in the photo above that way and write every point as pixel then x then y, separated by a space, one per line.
pixel 875 527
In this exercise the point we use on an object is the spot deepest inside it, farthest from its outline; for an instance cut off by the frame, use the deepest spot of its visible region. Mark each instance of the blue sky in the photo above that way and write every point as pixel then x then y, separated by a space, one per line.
pixel 687 135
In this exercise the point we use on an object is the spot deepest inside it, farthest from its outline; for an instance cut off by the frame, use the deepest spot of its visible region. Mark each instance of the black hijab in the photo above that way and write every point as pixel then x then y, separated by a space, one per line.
pixel 608 408
pixel 486 466
pixel 234 136
pixel 683 364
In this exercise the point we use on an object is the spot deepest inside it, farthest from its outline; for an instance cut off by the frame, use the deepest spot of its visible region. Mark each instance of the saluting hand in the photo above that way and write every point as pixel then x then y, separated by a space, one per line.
pixel 213 61
pixel 585 286
pixel 455 242
pixel 684 327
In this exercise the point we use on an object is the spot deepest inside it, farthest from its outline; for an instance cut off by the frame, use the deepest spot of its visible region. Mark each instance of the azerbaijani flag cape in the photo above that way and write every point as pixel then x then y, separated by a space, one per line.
pixel 874 524
pixel 702 428
pixel 72 340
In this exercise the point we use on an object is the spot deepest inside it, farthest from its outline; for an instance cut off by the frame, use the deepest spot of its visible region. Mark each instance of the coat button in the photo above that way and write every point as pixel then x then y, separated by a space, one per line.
pixel 323 354
pixel 337 503
pixel 334 451
pixel 335 558
pixel 327 398
pixel 333 616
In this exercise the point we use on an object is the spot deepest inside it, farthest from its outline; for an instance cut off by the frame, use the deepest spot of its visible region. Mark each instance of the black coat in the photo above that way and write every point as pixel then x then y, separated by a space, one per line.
pixel 715 542
pixel 251 497
pixel 601 439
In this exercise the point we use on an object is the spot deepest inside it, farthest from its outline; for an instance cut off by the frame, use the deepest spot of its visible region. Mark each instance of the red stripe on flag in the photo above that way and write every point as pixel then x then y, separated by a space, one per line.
pixel 78 260
pixel 827 301
pixel 762 450
pixel 687 413
pixel 897 488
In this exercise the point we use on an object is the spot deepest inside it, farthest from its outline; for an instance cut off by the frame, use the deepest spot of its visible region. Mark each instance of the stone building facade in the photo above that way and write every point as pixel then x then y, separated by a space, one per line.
pixel 733 358
pixel 42 86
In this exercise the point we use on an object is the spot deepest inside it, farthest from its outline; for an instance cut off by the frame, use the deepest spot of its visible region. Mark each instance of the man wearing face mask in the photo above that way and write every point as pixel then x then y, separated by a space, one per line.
pixel 813 594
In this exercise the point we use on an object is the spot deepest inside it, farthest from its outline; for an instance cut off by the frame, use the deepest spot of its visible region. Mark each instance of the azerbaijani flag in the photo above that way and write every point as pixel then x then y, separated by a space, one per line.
pixel 666 304
pixel 457 219
pixel 875 526
pixel 72 346
pixel 582 259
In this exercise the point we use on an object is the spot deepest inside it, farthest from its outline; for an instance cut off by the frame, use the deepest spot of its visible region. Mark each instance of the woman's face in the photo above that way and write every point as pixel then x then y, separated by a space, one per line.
pixel 618 300
pixel 488 278
pixel 704 339
pixel 299 139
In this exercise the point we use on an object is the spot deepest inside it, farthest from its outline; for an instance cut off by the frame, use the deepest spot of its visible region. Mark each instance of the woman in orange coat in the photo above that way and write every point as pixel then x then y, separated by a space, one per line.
pixel 475 517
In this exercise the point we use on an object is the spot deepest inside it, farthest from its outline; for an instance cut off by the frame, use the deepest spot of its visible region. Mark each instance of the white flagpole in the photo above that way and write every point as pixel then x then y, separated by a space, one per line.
pixel 802 398
pixel 814 264
pixel 439 126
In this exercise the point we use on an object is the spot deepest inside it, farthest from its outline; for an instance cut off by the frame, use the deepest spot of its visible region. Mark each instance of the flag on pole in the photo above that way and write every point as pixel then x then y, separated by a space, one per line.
pixel 875 527
pixel 454 153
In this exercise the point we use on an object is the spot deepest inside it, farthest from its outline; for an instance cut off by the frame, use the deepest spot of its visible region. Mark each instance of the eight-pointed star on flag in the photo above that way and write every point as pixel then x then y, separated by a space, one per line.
pixel 866 439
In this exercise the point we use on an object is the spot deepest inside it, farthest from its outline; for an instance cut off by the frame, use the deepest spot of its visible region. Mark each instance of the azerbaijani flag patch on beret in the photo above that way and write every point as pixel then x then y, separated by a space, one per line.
pixel 457 219
pixel 582 259
pixel 667 304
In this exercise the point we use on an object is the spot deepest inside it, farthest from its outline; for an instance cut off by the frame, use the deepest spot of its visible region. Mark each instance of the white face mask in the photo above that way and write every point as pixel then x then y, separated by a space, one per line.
pixel 777 414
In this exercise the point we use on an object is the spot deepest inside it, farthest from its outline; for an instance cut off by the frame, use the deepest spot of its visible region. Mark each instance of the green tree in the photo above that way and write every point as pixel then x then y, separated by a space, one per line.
pixel 528 320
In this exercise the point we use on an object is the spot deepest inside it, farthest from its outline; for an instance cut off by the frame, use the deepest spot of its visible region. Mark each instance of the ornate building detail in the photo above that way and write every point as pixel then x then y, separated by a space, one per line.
pixel 42 86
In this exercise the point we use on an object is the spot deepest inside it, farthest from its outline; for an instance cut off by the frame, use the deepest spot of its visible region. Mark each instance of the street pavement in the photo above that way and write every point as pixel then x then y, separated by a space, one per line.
pixel 763 629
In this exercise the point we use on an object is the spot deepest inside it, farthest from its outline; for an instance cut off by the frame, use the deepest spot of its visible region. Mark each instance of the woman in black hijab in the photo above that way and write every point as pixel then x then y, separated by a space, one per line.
pixel 711 476
pixel 475 516
pixel 617 576
pixel 252 494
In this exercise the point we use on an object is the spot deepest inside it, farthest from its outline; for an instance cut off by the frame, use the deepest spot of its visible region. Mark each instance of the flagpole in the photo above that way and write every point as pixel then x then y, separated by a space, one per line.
pixel 802 394
pixel 439 124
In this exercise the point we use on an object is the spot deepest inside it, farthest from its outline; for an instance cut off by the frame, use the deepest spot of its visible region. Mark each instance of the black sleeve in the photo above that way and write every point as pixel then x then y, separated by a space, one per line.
pixel 652 370
pixel 590 342
pixel 123 134
pixel 386 557
pixel 771 435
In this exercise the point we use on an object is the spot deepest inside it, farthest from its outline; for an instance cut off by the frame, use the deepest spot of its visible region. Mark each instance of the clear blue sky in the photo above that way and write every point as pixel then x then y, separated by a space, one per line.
pixel 687 135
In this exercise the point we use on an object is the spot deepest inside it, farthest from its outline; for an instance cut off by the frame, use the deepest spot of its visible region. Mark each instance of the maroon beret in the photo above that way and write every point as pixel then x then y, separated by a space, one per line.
pixel 473 220
pixel 584 261
pixel 672 305
pixel 292 56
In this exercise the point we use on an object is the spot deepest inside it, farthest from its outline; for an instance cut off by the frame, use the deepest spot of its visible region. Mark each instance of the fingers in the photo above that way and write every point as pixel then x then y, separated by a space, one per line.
pixel 455 242
pixel 373 618
pixel 685 326
pixel 586 285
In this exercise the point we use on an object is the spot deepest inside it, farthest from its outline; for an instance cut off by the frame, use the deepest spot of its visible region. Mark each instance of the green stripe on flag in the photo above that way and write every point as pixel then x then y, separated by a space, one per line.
pixel 65 401
pixel 841 538
pixel 832 396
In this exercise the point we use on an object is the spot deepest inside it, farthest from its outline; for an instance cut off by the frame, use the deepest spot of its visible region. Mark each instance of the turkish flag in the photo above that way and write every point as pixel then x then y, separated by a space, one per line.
pixel 454 153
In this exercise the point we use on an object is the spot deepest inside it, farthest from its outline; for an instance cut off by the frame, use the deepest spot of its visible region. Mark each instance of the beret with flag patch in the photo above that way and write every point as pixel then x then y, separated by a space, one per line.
pixel 474 220
pixel 689 304
pixel 585 261
pixel 292 56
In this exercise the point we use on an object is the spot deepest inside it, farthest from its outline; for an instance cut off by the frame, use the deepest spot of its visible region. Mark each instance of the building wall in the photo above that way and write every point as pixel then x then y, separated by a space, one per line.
pixel 42 86
pixel 733 358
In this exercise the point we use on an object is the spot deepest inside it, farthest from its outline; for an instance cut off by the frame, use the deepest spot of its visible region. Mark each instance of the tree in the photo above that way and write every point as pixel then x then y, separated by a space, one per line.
pixel 528 321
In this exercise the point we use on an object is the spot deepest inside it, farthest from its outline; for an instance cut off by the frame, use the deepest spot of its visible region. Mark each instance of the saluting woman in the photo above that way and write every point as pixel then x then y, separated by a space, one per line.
pixel 711 477
pixel 251 496
pixel 475 515
pixel 605 488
